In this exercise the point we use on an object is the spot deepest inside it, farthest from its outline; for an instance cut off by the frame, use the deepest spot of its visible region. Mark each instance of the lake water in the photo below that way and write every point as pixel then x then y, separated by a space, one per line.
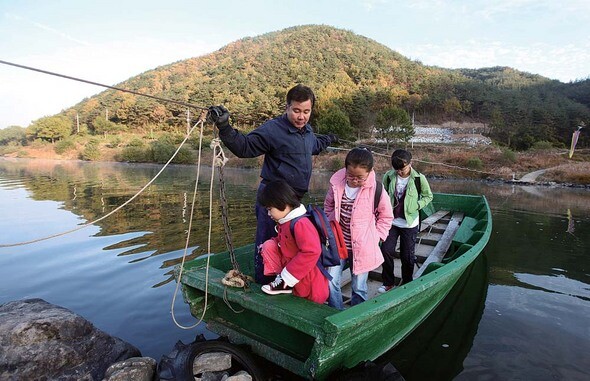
pixel 522 313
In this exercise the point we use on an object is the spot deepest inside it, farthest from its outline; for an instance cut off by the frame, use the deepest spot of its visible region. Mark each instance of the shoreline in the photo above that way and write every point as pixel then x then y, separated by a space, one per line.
pixel 234 163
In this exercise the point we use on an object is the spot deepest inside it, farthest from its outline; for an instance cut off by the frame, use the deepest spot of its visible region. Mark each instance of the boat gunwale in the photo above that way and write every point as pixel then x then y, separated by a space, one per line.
pixel 335 324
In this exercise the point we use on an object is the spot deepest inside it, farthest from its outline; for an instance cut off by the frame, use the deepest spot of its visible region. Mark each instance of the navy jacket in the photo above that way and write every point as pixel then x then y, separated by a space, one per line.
pixel 287 150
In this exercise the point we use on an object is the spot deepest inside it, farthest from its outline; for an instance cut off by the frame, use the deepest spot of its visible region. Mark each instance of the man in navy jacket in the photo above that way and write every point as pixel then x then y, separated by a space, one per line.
pixel 287 143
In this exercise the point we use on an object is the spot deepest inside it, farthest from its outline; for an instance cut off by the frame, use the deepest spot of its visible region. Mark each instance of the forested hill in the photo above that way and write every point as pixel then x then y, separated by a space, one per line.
pixel 354 79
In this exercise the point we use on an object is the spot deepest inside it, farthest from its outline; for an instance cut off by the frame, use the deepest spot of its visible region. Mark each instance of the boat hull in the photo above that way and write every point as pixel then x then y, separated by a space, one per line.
pixel 312 340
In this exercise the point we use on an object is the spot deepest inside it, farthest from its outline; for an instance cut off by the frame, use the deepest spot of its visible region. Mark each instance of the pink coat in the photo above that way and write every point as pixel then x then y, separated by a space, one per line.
pixel 366 229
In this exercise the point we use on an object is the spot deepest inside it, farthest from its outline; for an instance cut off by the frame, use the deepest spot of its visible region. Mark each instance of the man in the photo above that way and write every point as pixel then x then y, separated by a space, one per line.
pixel 287 143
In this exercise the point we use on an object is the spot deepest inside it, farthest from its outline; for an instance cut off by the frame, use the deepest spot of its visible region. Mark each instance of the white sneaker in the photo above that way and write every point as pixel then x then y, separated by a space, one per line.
pixel 277 286
pixel 383 289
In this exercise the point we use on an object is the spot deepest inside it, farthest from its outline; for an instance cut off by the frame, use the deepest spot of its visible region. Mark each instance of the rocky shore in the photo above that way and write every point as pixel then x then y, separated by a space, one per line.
pixel 42 341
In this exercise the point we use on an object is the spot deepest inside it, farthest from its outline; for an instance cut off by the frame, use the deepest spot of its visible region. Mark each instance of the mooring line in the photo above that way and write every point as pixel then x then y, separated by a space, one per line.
pixel 103 85
pixel 114 210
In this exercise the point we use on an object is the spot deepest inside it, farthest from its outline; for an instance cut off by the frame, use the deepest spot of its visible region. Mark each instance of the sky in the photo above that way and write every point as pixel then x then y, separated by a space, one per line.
pixel 110 41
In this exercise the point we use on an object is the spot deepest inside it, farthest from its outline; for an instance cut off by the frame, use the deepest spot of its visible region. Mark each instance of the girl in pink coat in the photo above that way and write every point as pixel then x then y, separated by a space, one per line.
pixel 292 258
pixel 350 201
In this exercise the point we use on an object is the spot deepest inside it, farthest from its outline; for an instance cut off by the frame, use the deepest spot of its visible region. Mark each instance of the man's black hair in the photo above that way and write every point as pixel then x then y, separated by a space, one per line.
pixel 400 158
pixel 278 194
pixel 359 157
pixel 300 93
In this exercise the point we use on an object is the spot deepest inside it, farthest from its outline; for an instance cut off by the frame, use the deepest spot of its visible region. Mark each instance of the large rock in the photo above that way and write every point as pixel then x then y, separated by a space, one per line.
pixel 133 369
pixel 42 341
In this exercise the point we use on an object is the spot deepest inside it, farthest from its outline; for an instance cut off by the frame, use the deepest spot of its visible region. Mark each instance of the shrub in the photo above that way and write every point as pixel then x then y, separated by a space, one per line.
pixel 184 156
pixel 91 151
pixel 194 142
pixel 162 151
pixel 508 155
pixel 114 142
pixel 474 163
pixel 39 144
pixel 134 154
pixel 63 146
pixel 135 142
pixel 542 146
pixel 175 139
pixel 335 163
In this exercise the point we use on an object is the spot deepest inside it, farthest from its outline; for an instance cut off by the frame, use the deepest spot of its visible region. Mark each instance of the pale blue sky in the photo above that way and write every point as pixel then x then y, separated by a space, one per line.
pixel 109 41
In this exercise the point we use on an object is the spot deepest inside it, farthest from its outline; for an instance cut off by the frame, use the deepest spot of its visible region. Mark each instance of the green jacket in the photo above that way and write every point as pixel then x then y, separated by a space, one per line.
pixel 412 203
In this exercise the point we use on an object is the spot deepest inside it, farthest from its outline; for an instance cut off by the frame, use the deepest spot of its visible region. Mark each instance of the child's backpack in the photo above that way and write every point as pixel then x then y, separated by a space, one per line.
pixel 330 255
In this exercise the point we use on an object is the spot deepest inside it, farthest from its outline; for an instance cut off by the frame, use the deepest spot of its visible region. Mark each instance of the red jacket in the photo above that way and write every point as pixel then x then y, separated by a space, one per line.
pixel 300 254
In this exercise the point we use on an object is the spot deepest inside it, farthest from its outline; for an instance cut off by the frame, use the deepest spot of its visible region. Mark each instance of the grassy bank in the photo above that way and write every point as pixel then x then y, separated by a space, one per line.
pixel 440 160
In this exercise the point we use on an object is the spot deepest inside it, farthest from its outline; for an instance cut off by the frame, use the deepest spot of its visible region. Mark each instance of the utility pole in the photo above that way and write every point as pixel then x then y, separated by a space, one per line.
pixel 77 124
pixel 188 120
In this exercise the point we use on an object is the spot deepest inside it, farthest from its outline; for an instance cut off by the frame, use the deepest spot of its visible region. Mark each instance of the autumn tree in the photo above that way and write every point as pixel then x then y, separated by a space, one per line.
pixel 50 128
pixel 13 135
pixel 104 126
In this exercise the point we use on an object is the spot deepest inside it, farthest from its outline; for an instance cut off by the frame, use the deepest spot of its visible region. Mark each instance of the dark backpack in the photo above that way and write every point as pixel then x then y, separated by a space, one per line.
pixel 378 191
pixel 418 184
pixel 330 256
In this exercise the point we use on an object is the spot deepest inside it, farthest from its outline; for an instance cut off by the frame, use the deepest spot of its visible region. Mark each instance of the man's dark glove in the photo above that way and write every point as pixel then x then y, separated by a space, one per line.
pixel 218 115
pixel 333 138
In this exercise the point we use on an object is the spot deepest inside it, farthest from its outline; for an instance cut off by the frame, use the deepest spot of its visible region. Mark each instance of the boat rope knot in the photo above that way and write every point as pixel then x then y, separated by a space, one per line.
pixel 219 159
pixel 234 278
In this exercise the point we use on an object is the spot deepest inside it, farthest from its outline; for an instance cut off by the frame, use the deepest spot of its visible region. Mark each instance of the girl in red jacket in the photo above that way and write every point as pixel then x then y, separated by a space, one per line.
pixel 291 257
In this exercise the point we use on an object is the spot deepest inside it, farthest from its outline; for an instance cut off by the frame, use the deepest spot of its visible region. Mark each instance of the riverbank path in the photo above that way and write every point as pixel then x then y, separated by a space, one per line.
pixel 532 176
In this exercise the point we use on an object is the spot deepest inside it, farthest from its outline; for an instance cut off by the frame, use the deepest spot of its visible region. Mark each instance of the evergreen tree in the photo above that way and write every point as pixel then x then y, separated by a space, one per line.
pixel 393 124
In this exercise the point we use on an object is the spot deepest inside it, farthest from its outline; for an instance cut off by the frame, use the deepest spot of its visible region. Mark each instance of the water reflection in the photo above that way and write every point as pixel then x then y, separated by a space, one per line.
pixel 159 216
pixel 437 348
pixel 118 272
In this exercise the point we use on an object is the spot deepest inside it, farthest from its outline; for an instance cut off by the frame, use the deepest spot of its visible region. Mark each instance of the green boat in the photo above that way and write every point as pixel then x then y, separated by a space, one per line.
pixel 315 341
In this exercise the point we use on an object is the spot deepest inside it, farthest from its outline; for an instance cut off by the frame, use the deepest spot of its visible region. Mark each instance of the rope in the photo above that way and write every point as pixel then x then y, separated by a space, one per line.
pixel 103 85
pixel 417 160
pixel 188 239
pixel 114 210
pixel 234 277
pixel 185 104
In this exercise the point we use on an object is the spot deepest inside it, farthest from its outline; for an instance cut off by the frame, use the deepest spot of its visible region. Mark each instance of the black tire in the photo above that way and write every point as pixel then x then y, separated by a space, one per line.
pixel 178 365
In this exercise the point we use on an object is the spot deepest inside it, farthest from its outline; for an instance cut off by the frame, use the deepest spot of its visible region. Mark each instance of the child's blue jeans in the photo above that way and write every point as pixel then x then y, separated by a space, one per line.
pixel 358 283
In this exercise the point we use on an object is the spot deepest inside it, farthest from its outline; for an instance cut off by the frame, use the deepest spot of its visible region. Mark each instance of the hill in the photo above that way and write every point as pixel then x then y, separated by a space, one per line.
pixel 354 78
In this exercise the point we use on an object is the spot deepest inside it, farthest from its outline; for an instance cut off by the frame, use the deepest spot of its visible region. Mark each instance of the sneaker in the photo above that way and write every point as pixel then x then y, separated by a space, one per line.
pixel 277 286
pixel 383 289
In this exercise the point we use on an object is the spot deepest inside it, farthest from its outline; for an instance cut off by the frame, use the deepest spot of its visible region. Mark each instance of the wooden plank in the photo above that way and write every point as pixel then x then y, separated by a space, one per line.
pixel 443 245
pixel 422 251
pixel 432 219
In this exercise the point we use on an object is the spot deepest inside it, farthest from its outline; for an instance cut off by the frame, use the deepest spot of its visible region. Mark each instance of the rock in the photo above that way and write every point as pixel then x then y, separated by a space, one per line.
pixel 133 369
pixel 242 375
pixel 46 342
pixel 212 362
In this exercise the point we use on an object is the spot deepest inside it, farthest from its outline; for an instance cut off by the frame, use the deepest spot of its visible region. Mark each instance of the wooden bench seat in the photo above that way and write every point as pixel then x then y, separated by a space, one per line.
pixel 439 251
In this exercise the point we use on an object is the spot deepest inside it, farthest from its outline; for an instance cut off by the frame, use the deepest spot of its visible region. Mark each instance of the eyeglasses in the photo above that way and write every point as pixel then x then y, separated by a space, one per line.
pixel 359 179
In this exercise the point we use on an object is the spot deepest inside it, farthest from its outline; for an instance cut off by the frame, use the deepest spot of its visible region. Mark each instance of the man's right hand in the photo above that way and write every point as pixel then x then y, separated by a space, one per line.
pixel 219 115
